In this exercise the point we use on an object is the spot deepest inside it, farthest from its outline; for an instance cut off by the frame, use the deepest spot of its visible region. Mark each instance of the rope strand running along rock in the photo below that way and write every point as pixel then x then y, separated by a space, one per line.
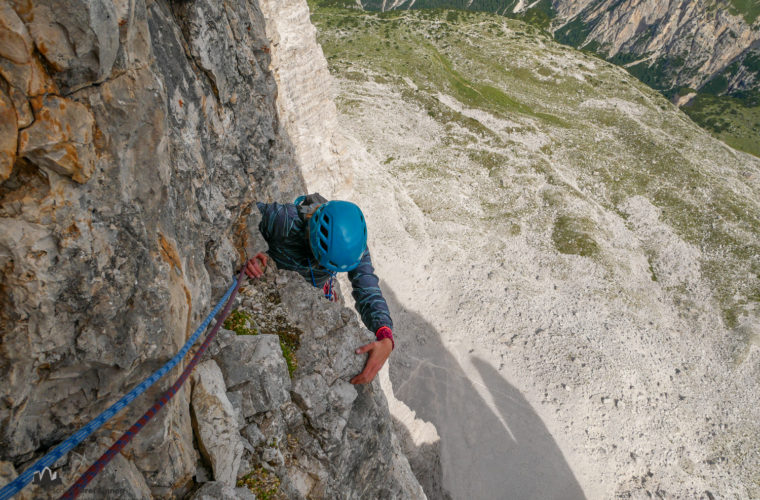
pixel 120 443
pixel 83 433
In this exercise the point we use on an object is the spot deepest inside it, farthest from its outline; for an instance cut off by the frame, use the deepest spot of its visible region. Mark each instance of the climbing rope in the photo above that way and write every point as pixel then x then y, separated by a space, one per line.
pixel 70 443
pixel 328 288
pixel 120 443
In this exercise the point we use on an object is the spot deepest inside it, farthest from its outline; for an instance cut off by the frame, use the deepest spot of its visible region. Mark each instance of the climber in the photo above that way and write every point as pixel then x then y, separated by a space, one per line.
pixel 319 238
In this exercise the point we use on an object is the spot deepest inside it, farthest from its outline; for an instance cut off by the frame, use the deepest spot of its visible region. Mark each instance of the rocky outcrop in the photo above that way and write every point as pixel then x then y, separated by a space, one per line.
pixel 255 373
pixel 304 97
pixel 215 423
pixel 668 44
pixel 319 436
pixel 135 138
pixel 120 479
pixel 61 138
pixel 219 491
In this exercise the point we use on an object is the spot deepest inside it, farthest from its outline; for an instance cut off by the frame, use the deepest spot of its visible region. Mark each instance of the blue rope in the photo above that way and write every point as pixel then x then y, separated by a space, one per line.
pixel 69 444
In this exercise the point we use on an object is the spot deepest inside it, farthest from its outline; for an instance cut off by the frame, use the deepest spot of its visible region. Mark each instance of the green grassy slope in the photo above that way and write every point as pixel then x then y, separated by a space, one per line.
pixel 735 120
pixel 750 9
pixel 736 127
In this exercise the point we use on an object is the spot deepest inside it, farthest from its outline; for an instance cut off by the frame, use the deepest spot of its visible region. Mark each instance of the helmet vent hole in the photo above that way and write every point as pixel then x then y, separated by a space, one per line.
pixel 333 264
pixel 324 231
pixel 323 244
pixel 326 218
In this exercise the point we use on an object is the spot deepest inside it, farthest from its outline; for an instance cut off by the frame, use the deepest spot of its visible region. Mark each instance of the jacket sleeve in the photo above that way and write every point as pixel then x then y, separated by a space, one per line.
pixel 369 299
pixel 276 221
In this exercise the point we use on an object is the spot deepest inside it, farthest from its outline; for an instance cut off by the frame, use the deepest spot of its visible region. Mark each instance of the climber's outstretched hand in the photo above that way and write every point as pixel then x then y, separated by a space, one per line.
pixel 254 268
pixel 378 354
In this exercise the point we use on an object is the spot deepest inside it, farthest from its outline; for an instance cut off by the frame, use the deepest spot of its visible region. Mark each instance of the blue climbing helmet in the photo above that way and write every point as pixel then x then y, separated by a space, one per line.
pixel 338 235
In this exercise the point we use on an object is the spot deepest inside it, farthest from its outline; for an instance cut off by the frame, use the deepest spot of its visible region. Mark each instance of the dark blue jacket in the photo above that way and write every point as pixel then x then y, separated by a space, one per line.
pixel 285 229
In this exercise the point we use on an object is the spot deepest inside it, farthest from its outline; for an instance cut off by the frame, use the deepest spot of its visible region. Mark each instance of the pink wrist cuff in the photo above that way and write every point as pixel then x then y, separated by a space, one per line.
pixel 385 333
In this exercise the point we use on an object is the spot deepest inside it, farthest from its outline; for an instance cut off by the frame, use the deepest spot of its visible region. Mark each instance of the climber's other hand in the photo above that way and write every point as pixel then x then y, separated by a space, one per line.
pixel 378 354
pixel 254 268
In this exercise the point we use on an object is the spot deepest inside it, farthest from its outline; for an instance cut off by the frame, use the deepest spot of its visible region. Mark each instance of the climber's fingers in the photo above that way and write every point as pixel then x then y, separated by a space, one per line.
pixel 252 269
pixel 255 269
pixel 262 257
pixel 378 354
pixel 365 348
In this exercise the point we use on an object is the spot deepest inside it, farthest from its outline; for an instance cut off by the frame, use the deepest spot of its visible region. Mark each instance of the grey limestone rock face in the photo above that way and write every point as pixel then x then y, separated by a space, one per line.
pixel 135 138
pixel 215 423
pixel 255 370
pixel 120 479
pixel 328 438
pixel 215 490
pixel 8 474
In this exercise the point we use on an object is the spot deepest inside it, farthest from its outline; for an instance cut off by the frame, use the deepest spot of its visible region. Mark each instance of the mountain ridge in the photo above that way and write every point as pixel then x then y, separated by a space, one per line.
pixel 705 55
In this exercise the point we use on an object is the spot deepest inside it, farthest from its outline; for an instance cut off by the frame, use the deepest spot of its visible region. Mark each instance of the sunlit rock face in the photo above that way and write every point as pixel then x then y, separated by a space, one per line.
pixel 134 139
pixel 680 42
pixel 304 98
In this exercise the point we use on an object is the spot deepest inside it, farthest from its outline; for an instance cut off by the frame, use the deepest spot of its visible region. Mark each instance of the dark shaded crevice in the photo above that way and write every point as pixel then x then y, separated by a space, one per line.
pixel 112 77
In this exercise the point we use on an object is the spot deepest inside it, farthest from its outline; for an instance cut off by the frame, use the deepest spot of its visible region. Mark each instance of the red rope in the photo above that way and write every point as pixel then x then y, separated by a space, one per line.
pixel 124 440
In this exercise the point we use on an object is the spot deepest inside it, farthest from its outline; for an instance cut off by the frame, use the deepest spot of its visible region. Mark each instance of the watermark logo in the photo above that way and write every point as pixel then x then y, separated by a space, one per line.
pixel 46 478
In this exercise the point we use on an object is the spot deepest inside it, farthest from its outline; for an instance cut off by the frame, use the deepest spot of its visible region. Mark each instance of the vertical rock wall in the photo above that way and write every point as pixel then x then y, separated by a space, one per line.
pixel 304 98
pixel 135 136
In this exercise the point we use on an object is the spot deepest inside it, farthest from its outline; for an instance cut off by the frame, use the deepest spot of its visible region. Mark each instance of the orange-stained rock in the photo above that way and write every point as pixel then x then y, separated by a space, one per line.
pixel 8 136
pixel 24 115
pixel 30 78
pixel 18 65
pixel 15 42
pixel 78 39
pixel 60 139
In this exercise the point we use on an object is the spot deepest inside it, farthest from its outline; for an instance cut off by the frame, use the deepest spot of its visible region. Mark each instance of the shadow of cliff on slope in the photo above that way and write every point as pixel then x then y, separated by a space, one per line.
pixel 482 454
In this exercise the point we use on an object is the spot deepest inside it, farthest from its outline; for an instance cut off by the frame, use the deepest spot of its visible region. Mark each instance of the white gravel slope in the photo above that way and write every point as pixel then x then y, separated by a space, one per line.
pixel 529 372
pixel 547 374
